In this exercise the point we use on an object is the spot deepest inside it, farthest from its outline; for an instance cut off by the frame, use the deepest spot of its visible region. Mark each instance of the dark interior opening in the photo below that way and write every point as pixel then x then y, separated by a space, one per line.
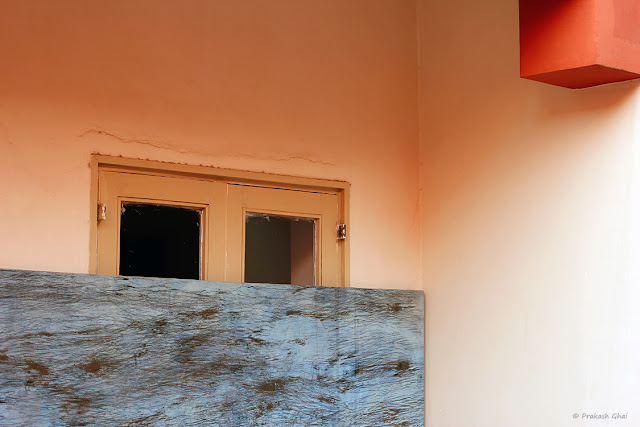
pixel 159 241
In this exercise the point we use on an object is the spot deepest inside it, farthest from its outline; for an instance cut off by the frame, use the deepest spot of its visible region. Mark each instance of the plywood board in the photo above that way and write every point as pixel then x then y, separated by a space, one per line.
pixel 100 350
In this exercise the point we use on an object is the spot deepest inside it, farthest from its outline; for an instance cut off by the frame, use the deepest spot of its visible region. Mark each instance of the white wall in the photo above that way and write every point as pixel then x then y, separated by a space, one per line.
pixel 317 89
pixel 531 232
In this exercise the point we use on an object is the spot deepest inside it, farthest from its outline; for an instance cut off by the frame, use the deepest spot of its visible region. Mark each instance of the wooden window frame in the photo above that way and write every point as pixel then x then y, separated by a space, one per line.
pixel 104 162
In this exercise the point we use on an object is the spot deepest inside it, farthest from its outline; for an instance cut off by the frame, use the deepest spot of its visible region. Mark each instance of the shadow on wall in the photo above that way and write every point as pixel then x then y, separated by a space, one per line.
pixel 506 153
pixel 526 209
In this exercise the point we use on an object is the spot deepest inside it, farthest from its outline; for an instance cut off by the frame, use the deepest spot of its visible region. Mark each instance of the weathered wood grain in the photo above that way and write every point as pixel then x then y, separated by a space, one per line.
pixel 97 350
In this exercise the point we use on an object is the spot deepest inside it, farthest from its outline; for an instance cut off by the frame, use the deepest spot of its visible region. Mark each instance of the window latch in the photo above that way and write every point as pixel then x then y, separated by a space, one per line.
pixel 102 211
pixel 342 231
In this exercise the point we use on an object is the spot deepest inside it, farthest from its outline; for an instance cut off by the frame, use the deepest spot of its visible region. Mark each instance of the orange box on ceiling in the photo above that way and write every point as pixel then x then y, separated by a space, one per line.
pixel 579 43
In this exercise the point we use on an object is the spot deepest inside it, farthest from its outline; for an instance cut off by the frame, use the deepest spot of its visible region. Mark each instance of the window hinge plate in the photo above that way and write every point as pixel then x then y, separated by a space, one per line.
pixel 102 211
pixel 342 231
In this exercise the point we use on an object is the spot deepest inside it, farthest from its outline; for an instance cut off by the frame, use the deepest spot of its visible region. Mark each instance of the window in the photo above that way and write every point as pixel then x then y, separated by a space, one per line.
pixel 280 249
pixel 160 241
pixel 163 220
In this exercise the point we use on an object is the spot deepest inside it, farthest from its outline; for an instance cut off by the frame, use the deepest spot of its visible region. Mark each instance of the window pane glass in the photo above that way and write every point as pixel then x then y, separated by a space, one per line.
pixel 279 249
pixel 159 241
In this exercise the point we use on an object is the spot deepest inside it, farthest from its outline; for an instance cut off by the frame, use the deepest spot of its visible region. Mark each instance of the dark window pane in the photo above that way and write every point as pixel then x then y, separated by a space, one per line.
pixel 279 250
pixel 159 241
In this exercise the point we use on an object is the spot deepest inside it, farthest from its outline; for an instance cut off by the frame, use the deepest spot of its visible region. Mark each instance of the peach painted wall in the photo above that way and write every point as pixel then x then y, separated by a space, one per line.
pixel 323 89
pixel 531 232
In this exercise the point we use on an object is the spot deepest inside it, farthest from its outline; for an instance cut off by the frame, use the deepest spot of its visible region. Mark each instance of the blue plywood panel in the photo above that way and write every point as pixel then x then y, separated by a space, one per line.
pixel 98 350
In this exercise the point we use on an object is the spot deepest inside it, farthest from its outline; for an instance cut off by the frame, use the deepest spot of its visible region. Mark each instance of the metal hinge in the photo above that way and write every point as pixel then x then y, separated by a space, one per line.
pixel 102 211
pixel 342 231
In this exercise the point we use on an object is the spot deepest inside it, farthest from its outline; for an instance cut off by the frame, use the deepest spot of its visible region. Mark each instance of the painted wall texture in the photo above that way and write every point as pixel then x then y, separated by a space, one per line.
pixel 531 233
pixel 316 89
pixel 101 350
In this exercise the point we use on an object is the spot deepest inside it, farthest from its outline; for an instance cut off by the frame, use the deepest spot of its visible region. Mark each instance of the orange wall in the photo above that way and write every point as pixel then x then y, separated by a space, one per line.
pixel 531 237
pixel 319 89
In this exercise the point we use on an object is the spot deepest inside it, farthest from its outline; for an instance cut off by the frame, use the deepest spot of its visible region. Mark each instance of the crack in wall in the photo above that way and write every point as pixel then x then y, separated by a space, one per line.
pixel 143 141
pixel 283 159
pixel 167 146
